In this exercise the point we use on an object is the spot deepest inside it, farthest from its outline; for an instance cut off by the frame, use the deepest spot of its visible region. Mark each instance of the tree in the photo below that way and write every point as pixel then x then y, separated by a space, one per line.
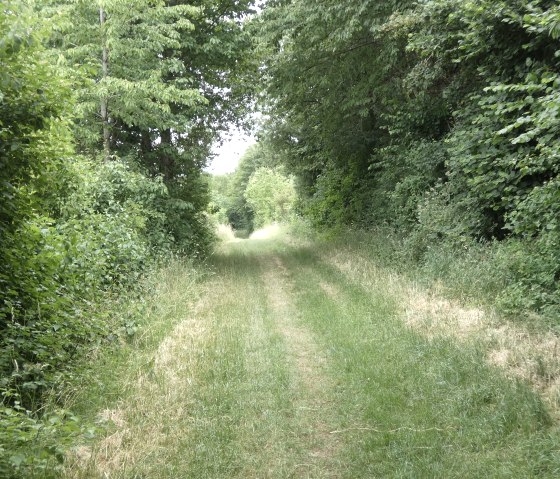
pixel 173 79
pixel 271 195
pixel 439 118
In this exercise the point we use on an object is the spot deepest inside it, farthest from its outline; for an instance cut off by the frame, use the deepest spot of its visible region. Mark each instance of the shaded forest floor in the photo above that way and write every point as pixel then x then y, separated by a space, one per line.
pixel 307 362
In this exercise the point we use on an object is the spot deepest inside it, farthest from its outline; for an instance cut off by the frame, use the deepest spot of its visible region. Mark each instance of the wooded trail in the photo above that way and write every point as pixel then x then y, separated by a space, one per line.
pixel 288 366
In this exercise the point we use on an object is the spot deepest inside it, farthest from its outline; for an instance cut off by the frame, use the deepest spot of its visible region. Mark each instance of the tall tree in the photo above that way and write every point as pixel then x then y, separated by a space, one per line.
pixel 105 73
pixel 170 76
pixel 439 117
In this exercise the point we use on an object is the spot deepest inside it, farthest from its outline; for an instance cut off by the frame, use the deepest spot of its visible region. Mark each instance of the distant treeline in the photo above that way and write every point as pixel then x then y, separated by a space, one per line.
pixel 258 193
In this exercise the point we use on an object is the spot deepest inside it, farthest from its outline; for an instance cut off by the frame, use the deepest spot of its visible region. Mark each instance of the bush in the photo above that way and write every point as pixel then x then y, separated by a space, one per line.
pixel 271 196
pixel 33 448
pixel 105 237
pixel 106 234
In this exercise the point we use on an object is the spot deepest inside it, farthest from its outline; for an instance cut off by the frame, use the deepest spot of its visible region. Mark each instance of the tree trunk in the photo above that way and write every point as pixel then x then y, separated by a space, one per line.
pixel 145 142
pixel 104 102
pixel 166 160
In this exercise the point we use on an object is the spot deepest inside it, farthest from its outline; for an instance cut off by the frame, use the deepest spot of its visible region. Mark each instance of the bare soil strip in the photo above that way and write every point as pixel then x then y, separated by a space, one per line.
pixel 312 397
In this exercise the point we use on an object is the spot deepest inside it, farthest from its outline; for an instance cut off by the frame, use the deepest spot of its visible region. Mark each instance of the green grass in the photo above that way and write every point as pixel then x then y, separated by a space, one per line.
pixel 415 407
pixel 286 367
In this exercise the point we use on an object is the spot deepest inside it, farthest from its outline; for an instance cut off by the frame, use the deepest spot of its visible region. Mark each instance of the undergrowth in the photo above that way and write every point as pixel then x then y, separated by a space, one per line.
pixel 482 273
pixel 34 442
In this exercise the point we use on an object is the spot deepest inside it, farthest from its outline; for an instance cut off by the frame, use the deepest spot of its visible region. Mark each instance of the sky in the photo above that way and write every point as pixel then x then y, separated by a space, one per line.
pixel 230 152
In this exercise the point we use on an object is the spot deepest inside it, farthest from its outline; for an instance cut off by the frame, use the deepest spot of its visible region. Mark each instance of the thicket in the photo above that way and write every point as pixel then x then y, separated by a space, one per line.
pixel 258 193
pixel 438 119
pixel 108 111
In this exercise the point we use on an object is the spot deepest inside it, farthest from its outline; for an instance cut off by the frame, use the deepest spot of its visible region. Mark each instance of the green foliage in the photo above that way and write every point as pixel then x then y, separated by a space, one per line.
pixel 168 62
pixel 534 260
pixel 35 448
pixel 113 222
pixel 174 78
pixel 337 199
pixel 34 99
pixel 271 195
pixel 75 230
pixel 256 194
pixel 440 118
pixel 54 267
pixel 228 191
pixel 219 194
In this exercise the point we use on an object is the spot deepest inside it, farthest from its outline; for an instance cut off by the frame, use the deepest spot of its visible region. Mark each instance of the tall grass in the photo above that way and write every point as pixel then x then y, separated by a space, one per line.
pixel 105 390
pixel 476 273
pixel 412 406
pixel 452 293
pixel 298 359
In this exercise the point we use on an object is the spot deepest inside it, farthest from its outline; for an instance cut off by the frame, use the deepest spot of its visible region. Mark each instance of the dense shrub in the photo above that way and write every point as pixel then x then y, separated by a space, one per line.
pixel 439 118
pixel 534 259
pixel 271 195
pixel 108 231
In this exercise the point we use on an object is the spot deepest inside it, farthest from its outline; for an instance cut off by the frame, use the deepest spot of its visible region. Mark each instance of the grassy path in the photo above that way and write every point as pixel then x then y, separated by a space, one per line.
pixel 288 368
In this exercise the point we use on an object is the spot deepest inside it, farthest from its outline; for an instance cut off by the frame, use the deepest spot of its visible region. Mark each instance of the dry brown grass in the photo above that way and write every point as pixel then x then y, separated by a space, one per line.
pixel 534 357
pixel 434 315
pixel 267 232
pixel 155 395
pixel 531 356
pixel 330 290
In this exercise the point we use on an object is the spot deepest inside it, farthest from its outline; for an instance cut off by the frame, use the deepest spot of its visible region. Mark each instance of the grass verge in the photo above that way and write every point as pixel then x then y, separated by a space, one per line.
pixel 303 360
pixel 411 405
pixel 106 395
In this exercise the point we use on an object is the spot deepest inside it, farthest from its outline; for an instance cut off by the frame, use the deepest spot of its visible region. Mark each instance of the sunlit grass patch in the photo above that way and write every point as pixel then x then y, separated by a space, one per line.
pixel 412 405
pixel 266 232
pixel 225 233
pixel 530 354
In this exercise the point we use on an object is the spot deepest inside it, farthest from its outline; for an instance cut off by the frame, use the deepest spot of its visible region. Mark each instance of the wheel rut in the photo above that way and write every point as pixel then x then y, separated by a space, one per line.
pixel 312 386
